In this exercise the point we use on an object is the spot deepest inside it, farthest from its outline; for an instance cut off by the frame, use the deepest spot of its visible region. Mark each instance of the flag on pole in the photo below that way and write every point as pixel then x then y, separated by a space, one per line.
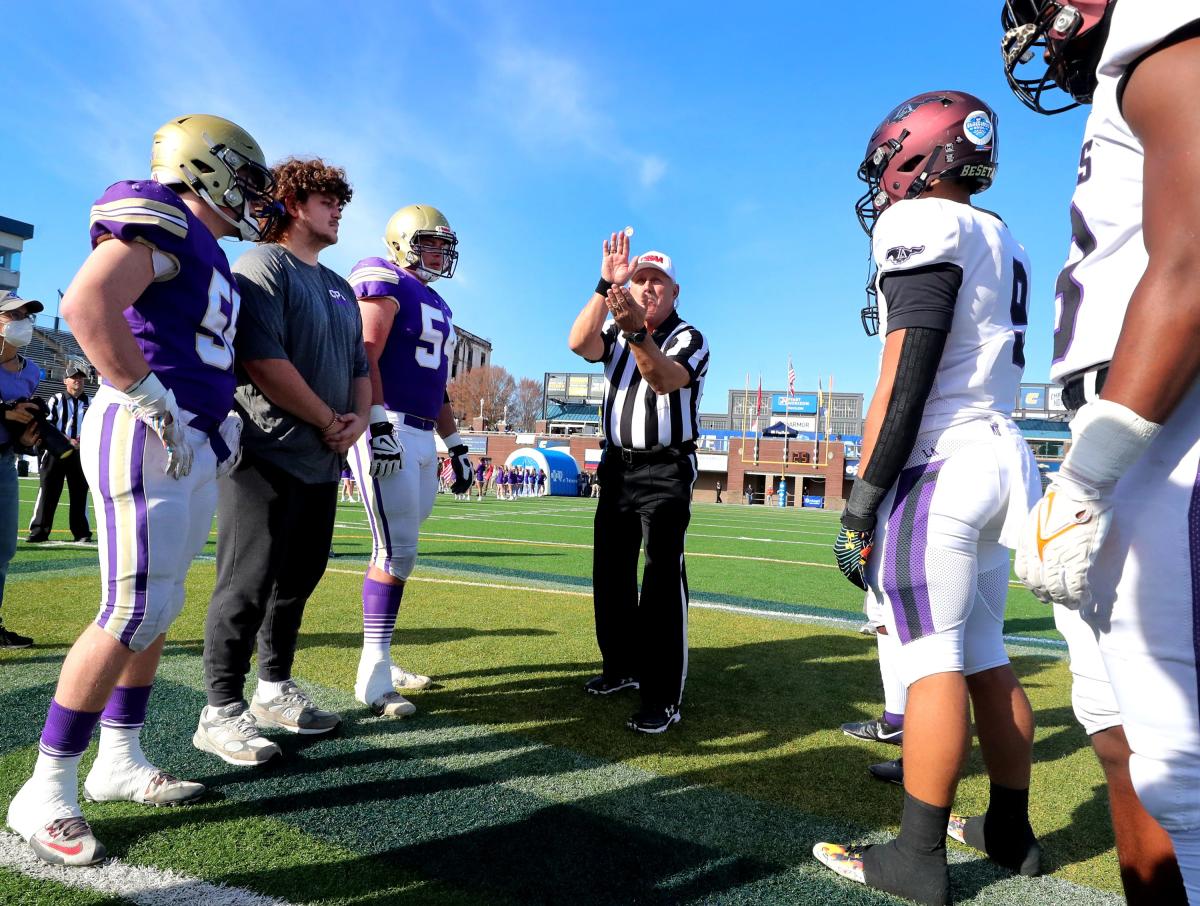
pixel 447 471
pixel 757 410
pixel 791 378
pixel 817 450
pixel 828 412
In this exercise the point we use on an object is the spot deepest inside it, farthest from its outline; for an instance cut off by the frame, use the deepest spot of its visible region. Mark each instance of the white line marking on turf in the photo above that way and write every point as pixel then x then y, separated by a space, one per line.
pixel 141 884
pixel 1029 641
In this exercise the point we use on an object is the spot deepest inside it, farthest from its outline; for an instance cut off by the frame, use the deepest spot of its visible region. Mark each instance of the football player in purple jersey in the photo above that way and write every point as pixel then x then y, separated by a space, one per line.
pixel 410 343
pixel 155 308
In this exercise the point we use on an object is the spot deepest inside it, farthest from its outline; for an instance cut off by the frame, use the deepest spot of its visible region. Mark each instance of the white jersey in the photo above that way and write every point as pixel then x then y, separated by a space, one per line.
pixel 984 357
pixel 1108 255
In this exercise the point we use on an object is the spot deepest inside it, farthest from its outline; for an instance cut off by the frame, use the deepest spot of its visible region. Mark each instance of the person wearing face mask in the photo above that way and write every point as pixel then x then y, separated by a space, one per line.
pixel 654 368
pixel 18 429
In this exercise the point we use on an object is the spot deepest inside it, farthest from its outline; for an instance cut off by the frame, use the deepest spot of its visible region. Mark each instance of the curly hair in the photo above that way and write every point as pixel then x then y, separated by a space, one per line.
pixel 296 179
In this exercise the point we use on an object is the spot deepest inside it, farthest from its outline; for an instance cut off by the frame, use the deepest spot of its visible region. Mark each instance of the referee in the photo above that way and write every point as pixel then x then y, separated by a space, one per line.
pixel 654 367
pixel 67 409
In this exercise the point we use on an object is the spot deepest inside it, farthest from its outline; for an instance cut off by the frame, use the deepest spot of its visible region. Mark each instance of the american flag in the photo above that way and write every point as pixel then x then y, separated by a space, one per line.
pixel 791 378
pixel 447 471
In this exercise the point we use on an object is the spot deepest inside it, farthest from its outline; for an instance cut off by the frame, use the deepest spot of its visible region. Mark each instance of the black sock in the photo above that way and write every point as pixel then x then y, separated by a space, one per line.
pixel 914 864
pixel 1004 832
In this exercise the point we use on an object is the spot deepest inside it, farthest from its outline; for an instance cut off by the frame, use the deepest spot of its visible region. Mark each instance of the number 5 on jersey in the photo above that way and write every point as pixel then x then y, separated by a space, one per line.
pixel 435 327
pixel 215 348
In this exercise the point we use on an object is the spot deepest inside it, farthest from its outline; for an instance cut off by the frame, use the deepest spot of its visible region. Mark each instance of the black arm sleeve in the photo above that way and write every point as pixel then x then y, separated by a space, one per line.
pixel 921 297
pixel 920 355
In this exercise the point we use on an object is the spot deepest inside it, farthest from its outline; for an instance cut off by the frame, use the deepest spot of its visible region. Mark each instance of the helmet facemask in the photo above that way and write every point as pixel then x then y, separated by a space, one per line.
pixel 417 248
pixel 1036 30
pixel 248 190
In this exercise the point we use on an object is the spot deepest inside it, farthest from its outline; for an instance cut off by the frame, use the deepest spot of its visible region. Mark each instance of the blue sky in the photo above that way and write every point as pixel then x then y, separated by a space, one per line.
pixel 728 139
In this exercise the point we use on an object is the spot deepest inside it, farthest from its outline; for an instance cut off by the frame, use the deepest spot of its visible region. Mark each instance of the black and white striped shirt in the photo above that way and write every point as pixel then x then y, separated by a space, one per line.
pixel 66 413
pixel 634 417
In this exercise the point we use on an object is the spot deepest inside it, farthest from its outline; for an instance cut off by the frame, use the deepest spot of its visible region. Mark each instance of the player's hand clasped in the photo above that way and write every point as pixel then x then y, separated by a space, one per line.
pixel 154 404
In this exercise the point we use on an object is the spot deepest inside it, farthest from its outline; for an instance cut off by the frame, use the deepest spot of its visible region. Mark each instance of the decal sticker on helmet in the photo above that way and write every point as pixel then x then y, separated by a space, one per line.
pixel 977 126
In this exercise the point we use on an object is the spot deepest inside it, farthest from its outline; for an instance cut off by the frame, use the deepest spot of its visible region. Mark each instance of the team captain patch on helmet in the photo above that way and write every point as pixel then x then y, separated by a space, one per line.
pixel 405 237
pixel 220 162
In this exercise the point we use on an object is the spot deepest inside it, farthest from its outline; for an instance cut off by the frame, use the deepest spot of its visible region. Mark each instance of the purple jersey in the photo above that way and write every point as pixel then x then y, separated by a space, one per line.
pixel 415 363
pixel 185 320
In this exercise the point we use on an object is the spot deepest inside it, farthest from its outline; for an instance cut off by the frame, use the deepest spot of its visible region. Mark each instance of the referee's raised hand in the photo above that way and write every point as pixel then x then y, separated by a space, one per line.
pixel 615 266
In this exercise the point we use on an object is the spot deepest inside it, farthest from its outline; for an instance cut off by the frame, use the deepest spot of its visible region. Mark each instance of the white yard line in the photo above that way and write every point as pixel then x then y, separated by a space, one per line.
pixel 144 885
pixel 843 622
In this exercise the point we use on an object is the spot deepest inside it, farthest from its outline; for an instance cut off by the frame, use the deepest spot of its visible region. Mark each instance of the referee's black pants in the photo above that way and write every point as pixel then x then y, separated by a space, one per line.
pixel 52 472
pixel 650 503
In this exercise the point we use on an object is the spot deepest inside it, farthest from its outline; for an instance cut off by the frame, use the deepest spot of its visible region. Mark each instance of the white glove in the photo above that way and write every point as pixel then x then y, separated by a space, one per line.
pixel 154 405
pixel 387 453
pixel 1063 534
pixel 231 433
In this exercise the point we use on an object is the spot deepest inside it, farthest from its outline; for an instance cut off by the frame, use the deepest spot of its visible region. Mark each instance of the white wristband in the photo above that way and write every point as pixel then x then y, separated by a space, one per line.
pixel 452 441
pixel 146 392
pixel 378 414
pixel 1108 438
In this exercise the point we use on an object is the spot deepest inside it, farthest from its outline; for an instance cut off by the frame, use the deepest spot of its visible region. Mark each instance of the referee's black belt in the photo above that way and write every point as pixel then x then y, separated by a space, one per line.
pixel 1084 387
pixel 645 457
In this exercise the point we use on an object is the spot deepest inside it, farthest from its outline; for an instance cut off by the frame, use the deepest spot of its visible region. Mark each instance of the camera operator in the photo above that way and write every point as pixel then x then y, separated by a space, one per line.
pixel 19 429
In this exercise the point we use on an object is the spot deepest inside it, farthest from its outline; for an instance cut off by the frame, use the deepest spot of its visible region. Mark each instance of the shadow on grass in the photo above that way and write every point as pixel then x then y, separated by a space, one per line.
pixel 1023 625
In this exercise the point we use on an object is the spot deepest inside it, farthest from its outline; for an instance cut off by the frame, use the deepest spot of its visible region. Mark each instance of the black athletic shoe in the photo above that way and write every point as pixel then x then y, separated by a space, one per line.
pixel 888 771
pixel 37 539
pixel 654 720
pixel 10 639
pixel 874 731
pixel 84 539
pixel 602 685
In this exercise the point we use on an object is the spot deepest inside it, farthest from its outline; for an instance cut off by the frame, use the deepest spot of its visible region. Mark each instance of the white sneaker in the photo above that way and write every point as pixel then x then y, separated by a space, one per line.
pixel 231 733
pixel 409 682
pixel 144 784
pixel 53 828
pixel 373 688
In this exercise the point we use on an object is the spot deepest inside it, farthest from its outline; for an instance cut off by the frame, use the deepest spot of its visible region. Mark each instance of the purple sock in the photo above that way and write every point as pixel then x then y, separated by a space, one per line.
pixel 381 604
pixel 896 720
pixel 67 733
pixel 126 708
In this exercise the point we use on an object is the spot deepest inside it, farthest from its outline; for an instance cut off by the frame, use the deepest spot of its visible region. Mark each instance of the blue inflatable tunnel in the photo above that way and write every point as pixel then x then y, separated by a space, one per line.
pixel 559 466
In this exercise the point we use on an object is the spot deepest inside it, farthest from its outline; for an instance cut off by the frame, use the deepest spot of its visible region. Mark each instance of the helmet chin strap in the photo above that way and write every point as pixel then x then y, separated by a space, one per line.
pixel 246 228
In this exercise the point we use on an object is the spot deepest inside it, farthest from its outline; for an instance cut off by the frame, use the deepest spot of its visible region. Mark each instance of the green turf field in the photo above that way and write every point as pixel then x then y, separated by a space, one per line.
pixel 510 785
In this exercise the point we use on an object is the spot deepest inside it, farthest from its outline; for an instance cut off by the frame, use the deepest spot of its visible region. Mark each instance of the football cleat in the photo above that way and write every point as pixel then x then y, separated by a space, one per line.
pixel 231 733
pixel 10 639
pixel 407 681
pixel 53 828
pixel 875 731
pixel 1019 851
pixel 846 861
pixel 888 771
pixel 294 711
pixel 135 783
pixel 602 685
pixel 654 720
pixel 392 704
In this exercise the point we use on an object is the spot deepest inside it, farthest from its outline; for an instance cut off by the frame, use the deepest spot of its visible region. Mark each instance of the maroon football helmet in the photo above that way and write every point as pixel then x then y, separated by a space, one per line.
pixel 936 135
pixel 1065 38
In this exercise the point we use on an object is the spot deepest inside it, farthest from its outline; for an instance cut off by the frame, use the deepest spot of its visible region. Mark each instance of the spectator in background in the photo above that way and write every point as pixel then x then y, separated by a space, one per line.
pixel 67 409
pixel 19 378
pixel 718 492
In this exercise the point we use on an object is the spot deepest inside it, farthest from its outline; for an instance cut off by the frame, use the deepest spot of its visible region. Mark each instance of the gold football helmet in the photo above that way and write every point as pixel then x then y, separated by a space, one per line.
pixel 406 234
pixel 220 162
